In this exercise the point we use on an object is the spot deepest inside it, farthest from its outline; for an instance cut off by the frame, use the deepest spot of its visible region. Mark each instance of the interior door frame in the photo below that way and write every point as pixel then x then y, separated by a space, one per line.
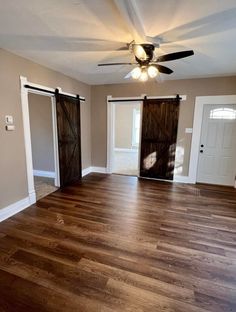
pixel 111 121
pixel 27 135
pixel 197 127
pixel 111 127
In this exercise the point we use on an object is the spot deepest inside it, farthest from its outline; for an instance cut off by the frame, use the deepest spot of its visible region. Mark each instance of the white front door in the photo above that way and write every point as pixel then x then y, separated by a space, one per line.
pixel 217 150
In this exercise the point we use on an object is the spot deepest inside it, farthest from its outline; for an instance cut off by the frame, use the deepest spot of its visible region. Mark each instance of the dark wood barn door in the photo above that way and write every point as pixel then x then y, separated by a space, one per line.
pixel 158 140
pixel 69 146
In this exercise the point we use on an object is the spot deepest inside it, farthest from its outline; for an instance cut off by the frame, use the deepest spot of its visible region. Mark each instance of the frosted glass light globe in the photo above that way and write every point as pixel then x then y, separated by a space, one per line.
pixel 139 52
pixel 152 71
pixel 136 73
pixel 143 76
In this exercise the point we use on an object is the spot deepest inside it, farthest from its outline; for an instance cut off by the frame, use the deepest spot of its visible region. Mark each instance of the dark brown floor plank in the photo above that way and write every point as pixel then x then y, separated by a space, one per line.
pixel 116 243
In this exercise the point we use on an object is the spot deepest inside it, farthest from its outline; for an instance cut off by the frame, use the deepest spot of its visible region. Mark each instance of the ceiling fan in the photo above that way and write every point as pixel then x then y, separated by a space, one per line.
pixel 147 62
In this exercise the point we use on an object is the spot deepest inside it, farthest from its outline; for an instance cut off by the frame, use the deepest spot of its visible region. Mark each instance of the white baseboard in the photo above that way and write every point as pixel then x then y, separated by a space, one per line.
pixel 86 171
pixel 183 179
pixel 126 150
pixel 93 169
pixel 46 174
pixel 16 207
pixel 32 197
pixel 177 178
pixel 99 169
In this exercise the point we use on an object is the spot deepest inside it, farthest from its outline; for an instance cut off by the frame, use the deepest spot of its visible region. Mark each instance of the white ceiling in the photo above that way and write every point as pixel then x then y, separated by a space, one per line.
pixel 73 36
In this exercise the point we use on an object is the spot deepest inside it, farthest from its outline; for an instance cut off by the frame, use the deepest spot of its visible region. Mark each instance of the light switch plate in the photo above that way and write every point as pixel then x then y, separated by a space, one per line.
pixel 9 119
pixel 10 127
pixel 188 130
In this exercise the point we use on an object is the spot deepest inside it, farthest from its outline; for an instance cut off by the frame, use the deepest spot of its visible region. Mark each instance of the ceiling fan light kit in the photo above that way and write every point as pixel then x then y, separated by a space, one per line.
pixel 139 52
pixel 148 62
pixel 136 73
pixel 152 71
pixel 144 75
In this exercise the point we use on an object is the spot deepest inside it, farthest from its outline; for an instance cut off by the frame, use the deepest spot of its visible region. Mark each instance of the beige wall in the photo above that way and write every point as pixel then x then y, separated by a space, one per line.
pixel 13 182
pixel 41 130
pixel 124 124
pixel 190 87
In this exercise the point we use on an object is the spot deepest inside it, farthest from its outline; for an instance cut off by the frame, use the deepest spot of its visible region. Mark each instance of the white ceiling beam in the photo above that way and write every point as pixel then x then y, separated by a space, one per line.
pixel 129 12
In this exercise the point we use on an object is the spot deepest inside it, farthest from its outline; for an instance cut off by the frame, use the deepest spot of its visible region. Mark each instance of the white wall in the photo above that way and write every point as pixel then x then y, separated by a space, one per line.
pixel 124 124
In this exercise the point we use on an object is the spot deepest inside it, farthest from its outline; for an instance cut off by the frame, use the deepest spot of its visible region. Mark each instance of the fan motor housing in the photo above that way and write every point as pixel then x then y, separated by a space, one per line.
pixel 149 49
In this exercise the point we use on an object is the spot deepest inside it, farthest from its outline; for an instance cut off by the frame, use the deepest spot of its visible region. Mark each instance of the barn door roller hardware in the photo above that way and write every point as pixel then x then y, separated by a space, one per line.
pixel 52 92
pixel 142 99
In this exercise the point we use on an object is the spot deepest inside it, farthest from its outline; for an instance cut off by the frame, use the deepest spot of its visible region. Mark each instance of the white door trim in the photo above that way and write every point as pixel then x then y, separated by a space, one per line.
pixel 27 136
pixel 55 143
pixel 110 134
pixel 197 126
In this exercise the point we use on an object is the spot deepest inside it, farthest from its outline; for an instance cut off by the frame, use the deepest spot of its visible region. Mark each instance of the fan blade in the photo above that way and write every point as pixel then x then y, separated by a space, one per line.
pixel 111 64
pixel 163 69
pixel 174 56
pixel 159 78
pixel 128 75
pixel 139 52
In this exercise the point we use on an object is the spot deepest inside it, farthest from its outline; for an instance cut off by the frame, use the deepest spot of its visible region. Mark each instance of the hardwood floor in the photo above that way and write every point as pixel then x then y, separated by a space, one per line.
pixel 115 243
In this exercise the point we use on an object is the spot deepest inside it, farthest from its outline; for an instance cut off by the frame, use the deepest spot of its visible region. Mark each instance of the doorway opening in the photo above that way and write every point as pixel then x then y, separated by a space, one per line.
pixel 43 147
pixel 28 88
pixel 66 134
pixel 112 145
pixel 126 133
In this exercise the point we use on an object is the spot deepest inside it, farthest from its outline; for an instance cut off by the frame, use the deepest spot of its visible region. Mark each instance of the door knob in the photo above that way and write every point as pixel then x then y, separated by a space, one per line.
pixel 202 145
pixel 201 151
